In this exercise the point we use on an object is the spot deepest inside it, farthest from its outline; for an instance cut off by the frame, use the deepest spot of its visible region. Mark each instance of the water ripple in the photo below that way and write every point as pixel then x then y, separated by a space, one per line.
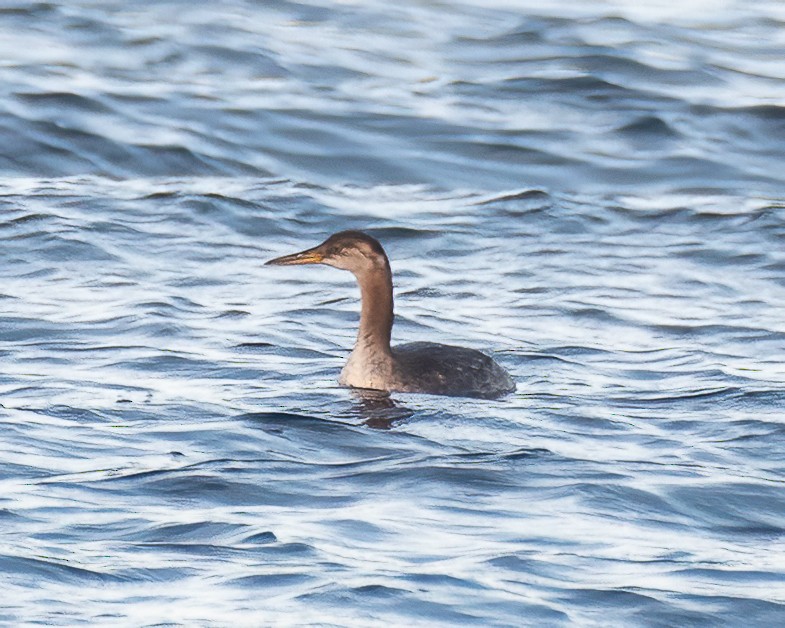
pixel 593 194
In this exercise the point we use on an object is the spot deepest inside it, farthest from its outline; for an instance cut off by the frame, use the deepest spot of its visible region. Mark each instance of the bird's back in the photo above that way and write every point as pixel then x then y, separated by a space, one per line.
pixel 447 370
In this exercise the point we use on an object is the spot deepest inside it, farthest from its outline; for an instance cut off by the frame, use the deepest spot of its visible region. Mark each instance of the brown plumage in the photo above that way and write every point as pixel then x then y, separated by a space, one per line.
pixel 421 367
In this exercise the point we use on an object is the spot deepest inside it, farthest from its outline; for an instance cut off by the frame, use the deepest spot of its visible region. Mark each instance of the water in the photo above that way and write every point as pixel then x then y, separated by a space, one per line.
pixel 593 194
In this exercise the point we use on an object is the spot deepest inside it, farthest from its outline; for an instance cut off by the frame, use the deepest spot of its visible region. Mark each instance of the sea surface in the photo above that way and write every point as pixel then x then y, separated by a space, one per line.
pixel 591 192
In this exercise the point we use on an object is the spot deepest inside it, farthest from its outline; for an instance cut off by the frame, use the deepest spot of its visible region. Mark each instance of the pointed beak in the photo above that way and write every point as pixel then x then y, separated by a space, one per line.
pixel 311 256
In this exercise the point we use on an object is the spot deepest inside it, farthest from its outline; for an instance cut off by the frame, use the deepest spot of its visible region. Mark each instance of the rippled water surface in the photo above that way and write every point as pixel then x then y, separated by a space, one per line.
pixel 591 192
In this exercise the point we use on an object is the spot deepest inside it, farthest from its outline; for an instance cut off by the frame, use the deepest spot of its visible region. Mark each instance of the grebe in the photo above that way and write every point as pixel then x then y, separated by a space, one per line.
pixel 417 367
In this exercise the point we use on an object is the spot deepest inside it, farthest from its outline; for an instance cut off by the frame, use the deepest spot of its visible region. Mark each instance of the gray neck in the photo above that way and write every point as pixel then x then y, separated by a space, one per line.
pixel 376 315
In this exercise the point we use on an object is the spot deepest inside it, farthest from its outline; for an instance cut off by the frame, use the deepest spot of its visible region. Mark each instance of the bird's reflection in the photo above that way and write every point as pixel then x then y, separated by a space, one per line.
pixel 377 408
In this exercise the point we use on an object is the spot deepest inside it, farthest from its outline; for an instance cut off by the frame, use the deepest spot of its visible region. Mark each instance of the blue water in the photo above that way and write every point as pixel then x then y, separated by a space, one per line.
pixel 593 193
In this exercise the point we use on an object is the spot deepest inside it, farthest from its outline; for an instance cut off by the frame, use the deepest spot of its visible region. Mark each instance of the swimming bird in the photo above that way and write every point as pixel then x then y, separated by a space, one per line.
pixel 418 367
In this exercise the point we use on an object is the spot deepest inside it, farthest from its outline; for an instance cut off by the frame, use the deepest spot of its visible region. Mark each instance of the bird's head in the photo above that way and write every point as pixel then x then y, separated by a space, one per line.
pixel 354 251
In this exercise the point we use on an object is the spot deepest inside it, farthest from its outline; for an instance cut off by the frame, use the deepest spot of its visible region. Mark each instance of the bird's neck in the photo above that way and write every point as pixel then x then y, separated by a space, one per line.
pixel 376 315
